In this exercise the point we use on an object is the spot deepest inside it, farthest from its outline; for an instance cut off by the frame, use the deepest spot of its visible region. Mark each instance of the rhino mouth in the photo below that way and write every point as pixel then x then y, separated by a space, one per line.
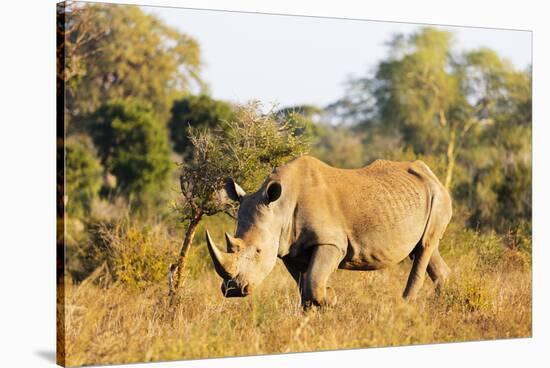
pixel 225 264
pixel 230 289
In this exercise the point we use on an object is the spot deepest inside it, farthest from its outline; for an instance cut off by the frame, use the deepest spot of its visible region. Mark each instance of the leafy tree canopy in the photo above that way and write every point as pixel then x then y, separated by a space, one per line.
pixel 337 146
pixel 120 52
pixel 471 108
pixel 195 112
pixel 245 149
pixel 133 146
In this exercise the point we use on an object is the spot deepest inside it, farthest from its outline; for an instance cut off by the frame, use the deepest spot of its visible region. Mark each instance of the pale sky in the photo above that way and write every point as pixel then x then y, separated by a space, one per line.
pixel 290 60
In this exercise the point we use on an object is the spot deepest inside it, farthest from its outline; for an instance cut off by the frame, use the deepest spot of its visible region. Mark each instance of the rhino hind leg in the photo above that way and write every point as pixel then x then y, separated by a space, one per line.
pixel 426 256
pixel 418 272
pixel 324 262
pixel 438 270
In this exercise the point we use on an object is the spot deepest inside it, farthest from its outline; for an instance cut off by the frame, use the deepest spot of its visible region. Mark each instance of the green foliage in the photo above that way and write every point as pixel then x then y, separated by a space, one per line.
pixel 83 175
pixel 118 52
pixel 195 112
pixel 480 254
pixel 255 143
pixel 304 119
pixel 140 257
pixel 136 254
pixel 134 147
pixel 339 147
pixel 245 149
pixel 491 250
pixel 410 91
pixel 422 87
pixel 520 239
pixel 468 294
pixel 81 258
pixel 113 53
pixel 469 113
pixel 133 251
pixel 501 196
pixel 488 248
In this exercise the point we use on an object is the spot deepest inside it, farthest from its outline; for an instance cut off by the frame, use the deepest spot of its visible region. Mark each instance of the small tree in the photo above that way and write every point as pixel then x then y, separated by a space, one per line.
pixel 245 149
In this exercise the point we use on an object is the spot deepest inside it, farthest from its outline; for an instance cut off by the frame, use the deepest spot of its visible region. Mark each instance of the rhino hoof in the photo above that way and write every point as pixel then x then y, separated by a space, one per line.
pixel 327 301
pixel 331 298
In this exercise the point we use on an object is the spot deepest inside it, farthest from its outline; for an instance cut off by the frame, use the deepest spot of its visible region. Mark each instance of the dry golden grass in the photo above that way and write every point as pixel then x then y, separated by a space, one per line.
pixel 488 297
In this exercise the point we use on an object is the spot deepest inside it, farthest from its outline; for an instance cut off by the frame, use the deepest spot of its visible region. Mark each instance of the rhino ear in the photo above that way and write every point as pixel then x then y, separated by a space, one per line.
pixel 273 191
pixel 234 191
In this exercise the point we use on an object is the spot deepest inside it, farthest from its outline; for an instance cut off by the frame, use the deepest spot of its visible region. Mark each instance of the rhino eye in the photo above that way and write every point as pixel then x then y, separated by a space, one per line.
pixel 258 251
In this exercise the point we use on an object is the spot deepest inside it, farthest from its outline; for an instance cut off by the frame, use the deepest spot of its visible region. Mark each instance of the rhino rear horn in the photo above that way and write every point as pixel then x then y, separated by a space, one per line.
pixel 232 243
pixel 224 263
pixel 234 191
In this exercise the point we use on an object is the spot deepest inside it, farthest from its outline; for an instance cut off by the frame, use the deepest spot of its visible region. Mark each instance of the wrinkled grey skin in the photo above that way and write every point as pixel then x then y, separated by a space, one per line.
pixel 317 218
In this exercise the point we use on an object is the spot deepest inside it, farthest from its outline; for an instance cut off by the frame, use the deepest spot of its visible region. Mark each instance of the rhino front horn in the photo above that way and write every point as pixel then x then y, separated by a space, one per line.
pixel 224 263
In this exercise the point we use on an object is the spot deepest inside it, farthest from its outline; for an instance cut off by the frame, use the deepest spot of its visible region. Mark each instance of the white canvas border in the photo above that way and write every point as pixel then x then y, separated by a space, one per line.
pixel 27 199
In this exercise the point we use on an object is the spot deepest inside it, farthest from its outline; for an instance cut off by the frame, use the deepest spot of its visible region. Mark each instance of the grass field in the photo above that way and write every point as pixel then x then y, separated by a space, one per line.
pixel 487 297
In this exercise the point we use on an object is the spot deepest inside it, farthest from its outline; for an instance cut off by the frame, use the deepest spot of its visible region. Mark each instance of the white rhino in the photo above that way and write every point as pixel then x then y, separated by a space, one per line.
pixel 318 218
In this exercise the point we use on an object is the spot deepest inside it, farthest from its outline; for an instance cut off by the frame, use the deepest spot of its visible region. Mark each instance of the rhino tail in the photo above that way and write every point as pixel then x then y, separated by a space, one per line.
pixel 439 215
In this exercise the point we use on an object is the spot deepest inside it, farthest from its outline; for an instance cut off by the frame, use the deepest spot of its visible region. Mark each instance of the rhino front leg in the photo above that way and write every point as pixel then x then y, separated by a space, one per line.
pixel 298 272
pixel 324 262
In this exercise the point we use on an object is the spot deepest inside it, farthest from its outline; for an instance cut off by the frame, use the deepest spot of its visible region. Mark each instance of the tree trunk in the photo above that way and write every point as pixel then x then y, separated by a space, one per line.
pixel 451 156
pixel 176 270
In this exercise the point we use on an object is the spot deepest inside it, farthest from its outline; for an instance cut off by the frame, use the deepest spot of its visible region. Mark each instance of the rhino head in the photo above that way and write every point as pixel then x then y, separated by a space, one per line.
pixel 252 252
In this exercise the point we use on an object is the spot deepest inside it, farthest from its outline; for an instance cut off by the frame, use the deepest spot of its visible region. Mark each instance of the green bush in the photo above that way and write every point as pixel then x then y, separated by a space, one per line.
pixel 467 294
pixel 83 175
pixel 514 195
pixel 134 147
pixel 195 112
pixel 488 248
pixel 519 238
pixel 136 254
pixel 489 251
pixel 339 147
